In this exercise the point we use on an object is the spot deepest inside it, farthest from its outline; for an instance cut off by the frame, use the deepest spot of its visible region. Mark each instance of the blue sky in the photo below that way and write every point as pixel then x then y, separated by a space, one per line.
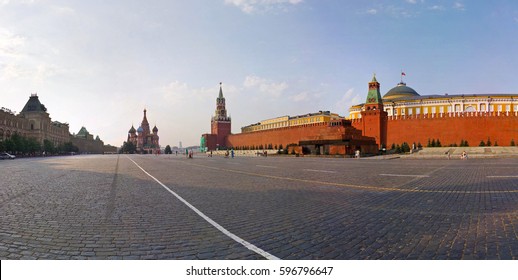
pixel 98 64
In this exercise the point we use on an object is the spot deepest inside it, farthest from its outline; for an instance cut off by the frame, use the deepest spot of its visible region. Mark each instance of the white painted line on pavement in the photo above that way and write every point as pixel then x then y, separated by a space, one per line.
pixel 404 175
pixel 503 176
pixel 236 238
pixel 267 166
pixel 323 171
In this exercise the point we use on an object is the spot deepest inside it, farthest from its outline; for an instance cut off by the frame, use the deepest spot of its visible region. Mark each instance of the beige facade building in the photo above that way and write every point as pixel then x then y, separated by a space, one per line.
pixel 34 122
pixel 287 121
pixel 86 143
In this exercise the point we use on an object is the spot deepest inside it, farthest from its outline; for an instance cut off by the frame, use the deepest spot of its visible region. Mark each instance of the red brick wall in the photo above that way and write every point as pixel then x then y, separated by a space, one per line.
pixel 285 136
pixel 451 129
pixel 221 129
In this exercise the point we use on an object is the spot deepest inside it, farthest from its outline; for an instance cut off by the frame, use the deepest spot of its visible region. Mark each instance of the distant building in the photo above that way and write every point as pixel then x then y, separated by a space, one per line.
pixel 399 116
pixel 220 126
pixel 145 141
pixel 403 115
pixel 313 133
pixel 86 142
pixel 34 122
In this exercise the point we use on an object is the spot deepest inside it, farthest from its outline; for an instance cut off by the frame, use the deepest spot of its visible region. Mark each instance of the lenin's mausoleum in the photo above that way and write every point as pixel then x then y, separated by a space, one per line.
pixel 400 115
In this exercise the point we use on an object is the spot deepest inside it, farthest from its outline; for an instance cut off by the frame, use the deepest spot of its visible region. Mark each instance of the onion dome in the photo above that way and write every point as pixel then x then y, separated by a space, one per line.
pixel 140 129
pixel 155 130
pixel 132 130
pixel 399 91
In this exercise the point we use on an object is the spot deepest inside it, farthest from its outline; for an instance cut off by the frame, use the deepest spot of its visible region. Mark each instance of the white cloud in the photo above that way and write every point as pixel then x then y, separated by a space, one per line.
pixel 411 1
pixel 177 93
pixel 12 71
pixel 436 8
pixel 372 11
pixel 268 87
pixel 252 6
pixel 11 44
pixel 303 96
pixel 459 6
pixel 349 98
pixel 63 10
pixel 24 2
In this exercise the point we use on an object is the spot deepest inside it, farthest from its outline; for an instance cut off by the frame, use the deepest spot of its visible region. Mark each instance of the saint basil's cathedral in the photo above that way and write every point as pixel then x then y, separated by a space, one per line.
pixel 144 141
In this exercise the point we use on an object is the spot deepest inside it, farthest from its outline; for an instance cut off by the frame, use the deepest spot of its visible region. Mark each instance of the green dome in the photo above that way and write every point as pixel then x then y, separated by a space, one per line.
pixel 401 90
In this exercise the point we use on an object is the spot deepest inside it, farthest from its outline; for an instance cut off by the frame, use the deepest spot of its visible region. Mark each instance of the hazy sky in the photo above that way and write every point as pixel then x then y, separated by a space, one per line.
pixel 98 64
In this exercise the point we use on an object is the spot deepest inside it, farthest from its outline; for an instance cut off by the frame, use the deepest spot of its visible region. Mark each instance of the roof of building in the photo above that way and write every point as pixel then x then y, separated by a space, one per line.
pixel 132 129
pixel 83 132
pixel 155 129
pixel 34 105
pixel 140 129
pixel 401 90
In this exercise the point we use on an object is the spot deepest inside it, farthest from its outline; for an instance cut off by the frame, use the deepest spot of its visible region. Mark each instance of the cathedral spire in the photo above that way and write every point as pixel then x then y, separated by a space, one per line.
pixel 220 91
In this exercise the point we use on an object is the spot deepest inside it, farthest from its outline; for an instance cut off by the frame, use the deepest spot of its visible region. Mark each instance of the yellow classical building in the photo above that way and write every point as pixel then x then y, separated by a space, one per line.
pixel 287 121
pixel 403 101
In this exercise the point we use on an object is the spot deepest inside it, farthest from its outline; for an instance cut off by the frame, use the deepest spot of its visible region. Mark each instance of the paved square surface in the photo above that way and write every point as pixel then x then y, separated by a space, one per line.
pixel 170 207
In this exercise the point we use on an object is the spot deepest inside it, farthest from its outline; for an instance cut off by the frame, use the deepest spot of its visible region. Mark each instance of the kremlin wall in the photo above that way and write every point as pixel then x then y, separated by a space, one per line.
pixel 401 115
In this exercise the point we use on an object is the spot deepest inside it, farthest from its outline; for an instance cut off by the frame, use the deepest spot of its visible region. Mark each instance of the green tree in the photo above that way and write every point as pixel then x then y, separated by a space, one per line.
pixel 68 147
pixel 405 148
pixel 512 143
pixel 9 146
pixel 48 146
pixel 488 143
pixel 168 150
pixel 18 143
pixel 482 144
pixel 128 148
pixel 33 145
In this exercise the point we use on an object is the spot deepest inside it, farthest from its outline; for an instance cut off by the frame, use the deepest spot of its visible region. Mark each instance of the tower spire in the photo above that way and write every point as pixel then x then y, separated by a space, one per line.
pixel 374 95
pixel 220 90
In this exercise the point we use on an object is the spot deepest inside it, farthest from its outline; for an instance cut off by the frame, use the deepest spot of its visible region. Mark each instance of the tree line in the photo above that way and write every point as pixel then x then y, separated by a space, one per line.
pixel 21 145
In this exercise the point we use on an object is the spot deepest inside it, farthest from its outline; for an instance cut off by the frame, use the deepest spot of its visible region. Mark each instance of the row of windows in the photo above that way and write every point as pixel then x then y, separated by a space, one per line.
pixel 294 122
pixel 450 109
pixel 446 109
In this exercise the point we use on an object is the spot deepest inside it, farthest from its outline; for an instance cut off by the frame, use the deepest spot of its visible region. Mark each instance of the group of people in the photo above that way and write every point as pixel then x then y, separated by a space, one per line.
pixel 227 153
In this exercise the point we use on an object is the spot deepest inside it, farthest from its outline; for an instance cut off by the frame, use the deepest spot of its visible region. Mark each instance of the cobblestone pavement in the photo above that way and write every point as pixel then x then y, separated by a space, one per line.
pixel 106 207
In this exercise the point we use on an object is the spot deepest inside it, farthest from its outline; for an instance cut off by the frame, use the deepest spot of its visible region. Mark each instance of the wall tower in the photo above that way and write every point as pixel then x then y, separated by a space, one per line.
pixel 374 116
pixel 220 122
